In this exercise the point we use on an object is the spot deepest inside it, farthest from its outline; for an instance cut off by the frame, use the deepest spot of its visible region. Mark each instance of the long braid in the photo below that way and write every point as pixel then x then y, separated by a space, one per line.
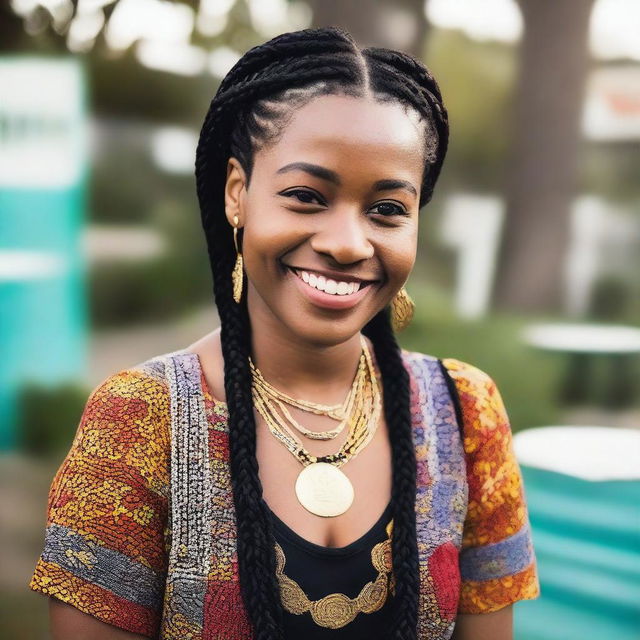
pixel 250 109
pixel 395 381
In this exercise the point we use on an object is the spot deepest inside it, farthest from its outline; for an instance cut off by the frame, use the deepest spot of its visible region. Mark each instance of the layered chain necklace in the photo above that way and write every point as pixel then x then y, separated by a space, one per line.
pixel 321 487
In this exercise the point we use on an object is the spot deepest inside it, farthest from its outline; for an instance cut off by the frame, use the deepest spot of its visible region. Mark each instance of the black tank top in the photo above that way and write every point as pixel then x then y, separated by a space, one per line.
pixel 321 571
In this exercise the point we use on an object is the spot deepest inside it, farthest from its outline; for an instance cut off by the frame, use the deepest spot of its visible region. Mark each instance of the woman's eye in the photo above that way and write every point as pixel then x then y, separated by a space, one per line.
pixel 389 209
pixel 304 196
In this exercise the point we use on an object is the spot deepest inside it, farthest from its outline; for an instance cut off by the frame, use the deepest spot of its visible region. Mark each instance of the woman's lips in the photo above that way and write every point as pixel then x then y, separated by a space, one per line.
pixel 328 300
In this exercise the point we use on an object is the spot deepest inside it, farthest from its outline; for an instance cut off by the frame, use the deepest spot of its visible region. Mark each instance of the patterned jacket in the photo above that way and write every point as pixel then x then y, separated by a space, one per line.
pixel 141 524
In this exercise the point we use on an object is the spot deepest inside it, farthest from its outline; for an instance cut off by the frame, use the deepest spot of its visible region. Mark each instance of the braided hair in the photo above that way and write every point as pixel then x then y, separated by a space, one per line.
pixel 251 108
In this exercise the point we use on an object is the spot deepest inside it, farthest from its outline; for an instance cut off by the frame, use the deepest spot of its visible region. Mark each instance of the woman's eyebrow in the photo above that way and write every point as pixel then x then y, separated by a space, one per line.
pixel 314 169
pixel 390 184
pixel 331 176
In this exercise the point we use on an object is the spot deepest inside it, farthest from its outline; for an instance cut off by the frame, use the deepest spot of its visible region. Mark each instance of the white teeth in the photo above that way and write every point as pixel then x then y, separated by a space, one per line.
pixel 327 285
pixel 331 286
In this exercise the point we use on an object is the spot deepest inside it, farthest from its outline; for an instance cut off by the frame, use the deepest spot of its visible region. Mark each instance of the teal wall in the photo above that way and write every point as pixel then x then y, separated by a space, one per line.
pixel 43 310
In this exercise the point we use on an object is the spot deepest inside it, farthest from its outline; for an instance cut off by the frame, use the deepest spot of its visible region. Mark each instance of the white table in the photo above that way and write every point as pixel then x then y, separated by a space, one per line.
pixel 587 452
pixel 582 342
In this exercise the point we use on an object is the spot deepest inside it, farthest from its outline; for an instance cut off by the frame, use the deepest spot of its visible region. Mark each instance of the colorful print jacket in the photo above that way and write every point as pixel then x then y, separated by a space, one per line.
pixel 141 524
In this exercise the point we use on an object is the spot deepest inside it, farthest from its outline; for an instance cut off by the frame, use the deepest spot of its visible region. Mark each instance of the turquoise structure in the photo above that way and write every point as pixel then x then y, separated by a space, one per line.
pixel 43 175
pixel 587 540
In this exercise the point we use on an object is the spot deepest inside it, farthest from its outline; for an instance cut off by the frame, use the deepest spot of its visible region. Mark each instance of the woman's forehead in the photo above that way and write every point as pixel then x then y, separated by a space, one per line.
pixel 342 130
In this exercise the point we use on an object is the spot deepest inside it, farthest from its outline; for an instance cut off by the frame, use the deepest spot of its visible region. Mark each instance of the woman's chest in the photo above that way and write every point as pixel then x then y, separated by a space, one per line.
pixel 368 477
pixel 203 579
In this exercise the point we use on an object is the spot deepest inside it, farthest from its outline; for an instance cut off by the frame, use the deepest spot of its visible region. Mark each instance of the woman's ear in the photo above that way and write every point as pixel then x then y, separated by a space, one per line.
pixel 234 192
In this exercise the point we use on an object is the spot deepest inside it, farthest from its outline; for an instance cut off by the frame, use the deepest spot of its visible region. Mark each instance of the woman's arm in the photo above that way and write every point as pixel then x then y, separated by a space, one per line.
pixel 105 544
pixel 497 625
pixel 68 623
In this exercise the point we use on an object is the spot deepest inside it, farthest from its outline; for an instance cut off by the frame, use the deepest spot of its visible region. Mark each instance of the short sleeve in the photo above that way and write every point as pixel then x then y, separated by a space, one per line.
pixel 497 561
pixel 105 549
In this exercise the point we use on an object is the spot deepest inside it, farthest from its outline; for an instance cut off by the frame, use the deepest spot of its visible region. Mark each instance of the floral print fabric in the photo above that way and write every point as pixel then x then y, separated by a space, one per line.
pixel 496 560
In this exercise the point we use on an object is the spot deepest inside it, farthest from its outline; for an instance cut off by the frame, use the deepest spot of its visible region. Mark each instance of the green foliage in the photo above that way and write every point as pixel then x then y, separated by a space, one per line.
pixel 527 380
pixel 24 615
pixel 476 79
pixel 115 194
pixel 611 299
pixel 129 293
pixel 50 417
pixel 122 293
pixel 612 171
pixel 121 87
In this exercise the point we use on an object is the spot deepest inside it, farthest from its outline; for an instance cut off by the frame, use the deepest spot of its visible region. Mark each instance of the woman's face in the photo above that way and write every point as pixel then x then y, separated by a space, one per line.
pixel 332 205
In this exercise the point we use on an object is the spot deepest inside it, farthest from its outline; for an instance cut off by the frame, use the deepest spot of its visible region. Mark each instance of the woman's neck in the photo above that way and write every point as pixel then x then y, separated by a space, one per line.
pixel 315 372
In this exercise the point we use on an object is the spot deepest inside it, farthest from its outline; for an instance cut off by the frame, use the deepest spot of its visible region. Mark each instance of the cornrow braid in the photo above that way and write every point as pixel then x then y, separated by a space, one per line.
pixel 251 109
pixel 398 74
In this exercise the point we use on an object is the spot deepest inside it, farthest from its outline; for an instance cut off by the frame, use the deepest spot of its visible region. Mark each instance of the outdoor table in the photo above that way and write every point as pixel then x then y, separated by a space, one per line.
pixel 618 344
pixel 583 493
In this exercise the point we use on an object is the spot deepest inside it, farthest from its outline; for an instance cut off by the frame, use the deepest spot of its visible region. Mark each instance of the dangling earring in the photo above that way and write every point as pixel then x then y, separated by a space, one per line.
pixel 402 307
pixel 238 274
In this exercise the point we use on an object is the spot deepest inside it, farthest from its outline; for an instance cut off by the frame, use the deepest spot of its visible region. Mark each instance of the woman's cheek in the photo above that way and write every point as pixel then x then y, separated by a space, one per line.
pixel 400 263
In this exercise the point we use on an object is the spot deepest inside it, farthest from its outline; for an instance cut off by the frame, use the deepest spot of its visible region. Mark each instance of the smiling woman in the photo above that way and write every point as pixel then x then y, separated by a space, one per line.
pixel 334 197
pixel 295 473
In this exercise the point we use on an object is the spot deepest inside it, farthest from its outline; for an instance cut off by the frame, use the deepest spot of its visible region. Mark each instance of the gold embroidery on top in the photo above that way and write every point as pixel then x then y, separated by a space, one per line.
pixel 336 610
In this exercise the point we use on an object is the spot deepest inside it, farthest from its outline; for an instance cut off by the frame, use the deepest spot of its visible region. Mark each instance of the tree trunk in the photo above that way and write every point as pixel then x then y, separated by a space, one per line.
pixel 542 179
pixel 400 24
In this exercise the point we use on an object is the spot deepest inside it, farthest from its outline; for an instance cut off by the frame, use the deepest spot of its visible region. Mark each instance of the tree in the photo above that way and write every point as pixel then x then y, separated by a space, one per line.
pixel 541 182
pixel 400 24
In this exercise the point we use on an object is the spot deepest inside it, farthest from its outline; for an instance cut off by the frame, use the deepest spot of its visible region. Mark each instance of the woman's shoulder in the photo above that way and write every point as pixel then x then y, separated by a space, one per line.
pixel 463 373
pixel 132 403
pixel 124 432
pixel 474 390
pixel 142 380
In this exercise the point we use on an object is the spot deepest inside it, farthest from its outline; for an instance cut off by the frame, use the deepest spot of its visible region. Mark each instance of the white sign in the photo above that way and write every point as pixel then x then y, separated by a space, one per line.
pixel 42 138
pixel 612 105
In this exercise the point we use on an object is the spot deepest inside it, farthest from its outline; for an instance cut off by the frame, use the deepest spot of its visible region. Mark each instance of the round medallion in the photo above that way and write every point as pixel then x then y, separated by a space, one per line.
pixel 324 490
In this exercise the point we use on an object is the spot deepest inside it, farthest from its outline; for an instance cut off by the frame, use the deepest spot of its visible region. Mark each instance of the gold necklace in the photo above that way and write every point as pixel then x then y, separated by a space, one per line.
pixel 337 609
pixel 363 423
pixel 281 429
pixel 278 399
pixel 321 487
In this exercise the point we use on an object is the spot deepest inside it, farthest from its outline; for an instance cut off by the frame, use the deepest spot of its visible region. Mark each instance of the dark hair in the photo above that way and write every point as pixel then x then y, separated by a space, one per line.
pixel 251 109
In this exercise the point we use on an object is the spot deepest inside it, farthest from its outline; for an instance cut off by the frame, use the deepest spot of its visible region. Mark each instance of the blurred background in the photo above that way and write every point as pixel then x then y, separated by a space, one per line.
pixel 528 267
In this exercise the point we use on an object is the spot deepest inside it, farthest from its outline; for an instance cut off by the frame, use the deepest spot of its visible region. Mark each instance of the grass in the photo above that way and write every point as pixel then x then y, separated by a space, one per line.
pixel 24 616
pixel 527 379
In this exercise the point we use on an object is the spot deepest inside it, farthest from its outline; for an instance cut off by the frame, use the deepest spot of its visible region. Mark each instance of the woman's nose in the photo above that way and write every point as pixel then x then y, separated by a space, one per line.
pixel 344 237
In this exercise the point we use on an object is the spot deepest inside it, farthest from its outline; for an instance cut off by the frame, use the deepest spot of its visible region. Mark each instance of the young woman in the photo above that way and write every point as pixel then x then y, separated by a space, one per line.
pixel 295 474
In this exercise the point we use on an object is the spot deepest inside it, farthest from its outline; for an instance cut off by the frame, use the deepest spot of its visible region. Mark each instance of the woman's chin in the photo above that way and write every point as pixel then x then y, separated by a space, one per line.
pixel 327 334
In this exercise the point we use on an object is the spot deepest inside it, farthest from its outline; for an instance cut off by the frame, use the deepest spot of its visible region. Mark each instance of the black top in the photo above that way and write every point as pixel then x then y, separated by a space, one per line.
pixel 321 571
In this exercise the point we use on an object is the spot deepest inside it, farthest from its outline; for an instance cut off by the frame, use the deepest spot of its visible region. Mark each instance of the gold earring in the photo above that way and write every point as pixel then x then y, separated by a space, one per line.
pixel 402 307
pixel 237 275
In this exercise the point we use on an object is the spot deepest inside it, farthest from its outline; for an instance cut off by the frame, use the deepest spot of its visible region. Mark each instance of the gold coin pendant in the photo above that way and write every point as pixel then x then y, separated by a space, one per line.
pixel 324 490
